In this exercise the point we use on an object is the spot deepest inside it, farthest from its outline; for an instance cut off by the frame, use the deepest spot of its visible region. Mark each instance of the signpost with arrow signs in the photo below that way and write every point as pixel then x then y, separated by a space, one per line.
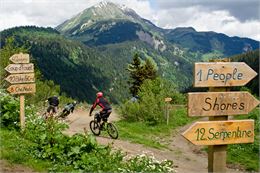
pixel 218 104
pixel 21 79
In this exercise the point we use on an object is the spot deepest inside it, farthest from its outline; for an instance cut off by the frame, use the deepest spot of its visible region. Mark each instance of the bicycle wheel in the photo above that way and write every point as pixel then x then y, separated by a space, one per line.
pixel 112 130
pixel 94 127
pixel 64 114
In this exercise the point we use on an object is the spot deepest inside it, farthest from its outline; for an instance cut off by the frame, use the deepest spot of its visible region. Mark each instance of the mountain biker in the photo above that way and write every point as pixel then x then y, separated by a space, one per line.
pixel 69 107
pixel 106 108
pixel 53 104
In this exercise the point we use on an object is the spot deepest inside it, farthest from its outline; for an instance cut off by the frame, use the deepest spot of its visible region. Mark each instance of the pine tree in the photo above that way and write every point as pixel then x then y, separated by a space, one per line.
pixel 150 69
pixel 140 72
pixel 135 70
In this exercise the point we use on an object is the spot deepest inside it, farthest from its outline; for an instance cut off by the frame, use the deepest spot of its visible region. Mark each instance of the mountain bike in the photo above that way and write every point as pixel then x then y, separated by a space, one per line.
pixel 50 113
pixel 96 127
pixel 68 109
pixel 47 114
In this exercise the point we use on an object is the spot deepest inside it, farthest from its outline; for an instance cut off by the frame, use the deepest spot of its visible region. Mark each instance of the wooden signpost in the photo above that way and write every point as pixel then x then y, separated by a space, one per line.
pixel 22 77
pixel 167 101
pixel 222 74
pixel 20 58
pixel 218 104
pixel 20 68
pixel 22 88
pixel 221 132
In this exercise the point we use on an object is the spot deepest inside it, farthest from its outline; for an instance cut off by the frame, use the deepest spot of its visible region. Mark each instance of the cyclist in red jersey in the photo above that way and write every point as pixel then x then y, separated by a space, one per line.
pixel 103 103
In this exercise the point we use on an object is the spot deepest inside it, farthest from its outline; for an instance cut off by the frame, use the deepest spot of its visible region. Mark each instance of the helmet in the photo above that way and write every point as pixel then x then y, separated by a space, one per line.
pixel 75 102
pixel 99 94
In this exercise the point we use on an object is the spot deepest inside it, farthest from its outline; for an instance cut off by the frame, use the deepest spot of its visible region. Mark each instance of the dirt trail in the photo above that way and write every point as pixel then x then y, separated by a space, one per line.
pixel 187 157
pixel 6 167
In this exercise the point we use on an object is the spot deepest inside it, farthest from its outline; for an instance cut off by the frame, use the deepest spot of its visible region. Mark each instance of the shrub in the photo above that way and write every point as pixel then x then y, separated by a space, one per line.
pixel 10 111
pixel 81 152
pixel 150 106
pixel 145 163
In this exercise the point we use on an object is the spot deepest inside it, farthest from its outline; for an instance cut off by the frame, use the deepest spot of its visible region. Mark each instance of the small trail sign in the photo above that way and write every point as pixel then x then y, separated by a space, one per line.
pixel 20 78
pixel 222 74
pixel 20 68
pixel 22 88
pixel 168 99
pixel 20 58
pixel 220 103
pixel 221 132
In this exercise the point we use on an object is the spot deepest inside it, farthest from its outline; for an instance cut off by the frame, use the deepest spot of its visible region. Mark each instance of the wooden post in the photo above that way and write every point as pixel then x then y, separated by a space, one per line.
pixel 167 112
pixel 217 154
pixel 167 103
pixel 22 114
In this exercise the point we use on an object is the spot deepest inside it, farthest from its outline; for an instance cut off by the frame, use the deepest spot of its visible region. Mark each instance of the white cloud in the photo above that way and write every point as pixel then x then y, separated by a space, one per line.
pixel 202 20
pixel 14 19
pixel 53 12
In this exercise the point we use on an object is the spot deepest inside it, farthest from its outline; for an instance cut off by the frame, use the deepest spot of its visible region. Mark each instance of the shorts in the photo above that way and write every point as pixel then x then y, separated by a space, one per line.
pixel 53 109
pixel 105 114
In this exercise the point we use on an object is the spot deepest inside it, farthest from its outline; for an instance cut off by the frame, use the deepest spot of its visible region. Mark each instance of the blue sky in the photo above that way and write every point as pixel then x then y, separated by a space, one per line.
pixel 231 17
pixel 153 4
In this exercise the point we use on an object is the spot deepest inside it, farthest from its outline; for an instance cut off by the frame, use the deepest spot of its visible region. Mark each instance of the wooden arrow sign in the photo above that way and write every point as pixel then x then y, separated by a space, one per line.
pixel 220 103
pixel 20 58
pixel 221 132
pixel 222 74
pixel 22 88
pixel 20 78
pixel 20 68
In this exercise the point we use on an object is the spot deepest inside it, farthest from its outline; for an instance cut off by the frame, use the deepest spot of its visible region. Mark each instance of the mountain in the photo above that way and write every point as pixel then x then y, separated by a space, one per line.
pixel 109 23
pixel 206 42
pixel 90 51
pixel 118 32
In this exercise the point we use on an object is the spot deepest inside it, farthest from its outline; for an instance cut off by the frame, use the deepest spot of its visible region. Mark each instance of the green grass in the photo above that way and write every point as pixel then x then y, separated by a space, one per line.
pixel 211 55
pixel 16 150
pixel 156 136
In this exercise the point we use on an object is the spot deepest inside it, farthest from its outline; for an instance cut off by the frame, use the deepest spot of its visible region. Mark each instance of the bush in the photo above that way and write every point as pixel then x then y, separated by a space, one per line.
pixel 150 106
pixel 144 163
pixel 10 111
pixel 81 151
